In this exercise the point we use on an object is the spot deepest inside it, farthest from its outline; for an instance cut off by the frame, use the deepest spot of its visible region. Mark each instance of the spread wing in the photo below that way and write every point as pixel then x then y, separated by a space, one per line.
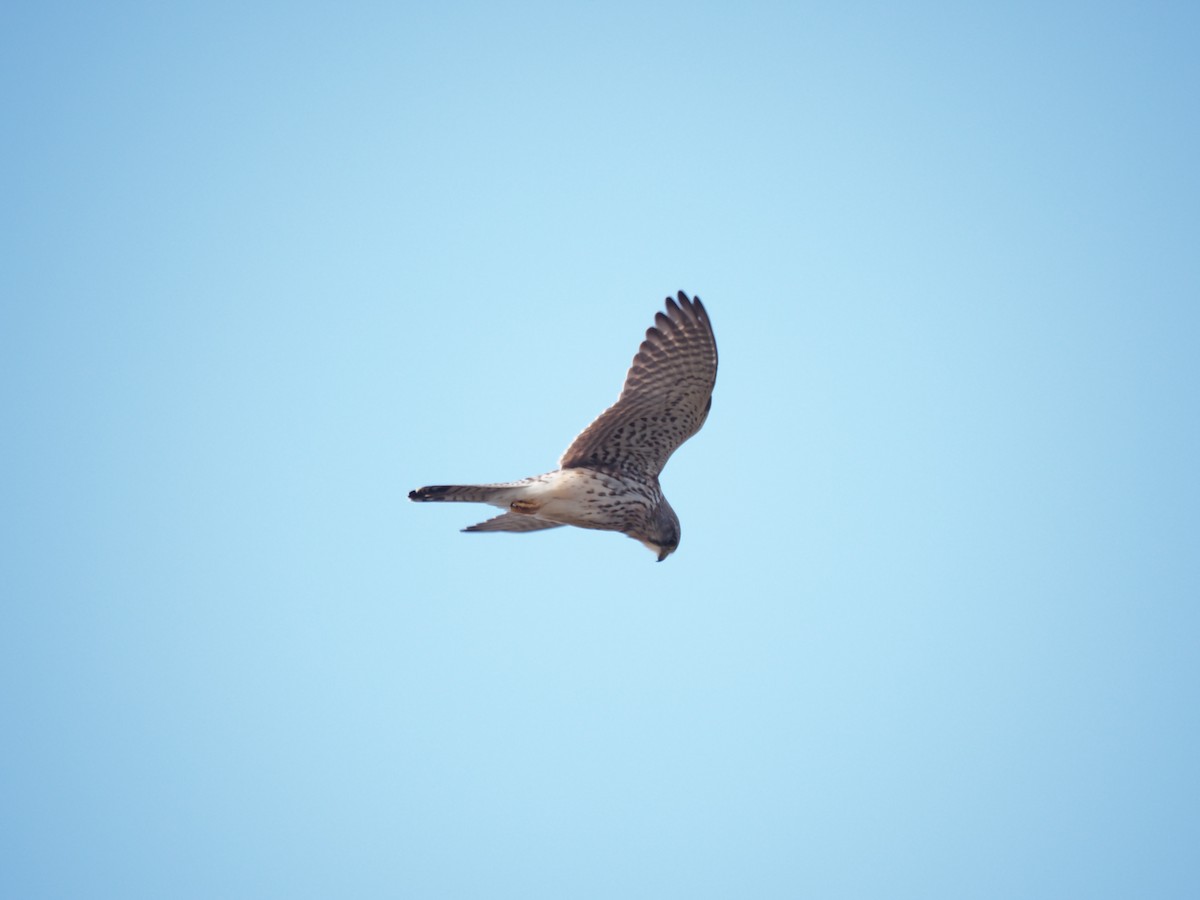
pixel 666 397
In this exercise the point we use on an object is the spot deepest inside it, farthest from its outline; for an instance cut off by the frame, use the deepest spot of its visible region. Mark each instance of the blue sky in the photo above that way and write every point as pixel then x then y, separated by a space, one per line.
pixel 932 630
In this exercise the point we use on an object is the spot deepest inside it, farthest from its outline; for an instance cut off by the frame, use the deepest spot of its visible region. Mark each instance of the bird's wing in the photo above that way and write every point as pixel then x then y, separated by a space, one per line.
pixel 513 522
pixel 666 397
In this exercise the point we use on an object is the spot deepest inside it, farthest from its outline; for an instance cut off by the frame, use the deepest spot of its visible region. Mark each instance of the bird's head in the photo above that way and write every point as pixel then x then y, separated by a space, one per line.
pixel 661 536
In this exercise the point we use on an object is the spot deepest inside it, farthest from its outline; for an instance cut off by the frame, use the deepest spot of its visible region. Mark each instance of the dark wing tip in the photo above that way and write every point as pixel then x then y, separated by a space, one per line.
pixel 691 306
pixel 693 310
pixel 668 322
pixel 682 312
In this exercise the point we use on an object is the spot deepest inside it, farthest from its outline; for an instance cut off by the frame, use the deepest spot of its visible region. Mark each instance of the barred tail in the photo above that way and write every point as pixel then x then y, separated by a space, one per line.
pixel 476 493
pixel 496 494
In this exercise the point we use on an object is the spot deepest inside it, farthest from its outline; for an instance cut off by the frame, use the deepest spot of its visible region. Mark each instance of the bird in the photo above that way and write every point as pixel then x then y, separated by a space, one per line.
pixel 608 477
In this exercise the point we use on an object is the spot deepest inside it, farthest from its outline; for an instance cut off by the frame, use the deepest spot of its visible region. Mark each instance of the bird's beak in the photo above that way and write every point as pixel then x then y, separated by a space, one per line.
pixel 662 554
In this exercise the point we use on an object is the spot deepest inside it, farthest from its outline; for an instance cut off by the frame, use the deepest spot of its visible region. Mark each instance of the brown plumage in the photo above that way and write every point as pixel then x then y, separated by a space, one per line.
pixel 608 477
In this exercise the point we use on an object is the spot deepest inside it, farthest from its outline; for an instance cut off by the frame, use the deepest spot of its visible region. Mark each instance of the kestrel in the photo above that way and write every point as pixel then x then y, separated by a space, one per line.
pixel 608 478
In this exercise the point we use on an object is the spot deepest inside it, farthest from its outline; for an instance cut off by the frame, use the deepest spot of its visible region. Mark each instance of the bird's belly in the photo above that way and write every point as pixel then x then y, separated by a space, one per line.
pixel 590 499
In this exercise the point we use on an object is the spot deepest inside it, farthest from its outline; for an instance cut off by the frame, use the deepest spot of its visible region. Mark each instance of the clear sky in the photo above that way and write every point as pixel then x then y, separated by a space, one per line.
pixel 933 630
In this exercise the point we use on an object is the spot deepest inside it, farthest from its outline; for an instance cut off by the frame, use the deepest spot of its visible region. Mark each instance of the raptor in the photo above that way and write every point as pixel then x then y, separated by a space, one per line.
pixel 608 477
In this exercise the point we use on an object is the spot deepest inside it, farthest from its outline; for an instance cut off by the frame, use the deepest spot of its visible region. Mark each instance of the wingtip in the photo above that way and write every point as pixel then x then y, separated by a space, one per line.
pixel 690 304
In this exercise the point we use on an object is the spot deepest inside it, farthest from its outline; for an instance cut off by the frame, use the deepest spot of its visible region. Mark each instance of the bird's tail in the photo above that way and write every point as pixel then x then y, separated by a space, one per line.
pixel 496 494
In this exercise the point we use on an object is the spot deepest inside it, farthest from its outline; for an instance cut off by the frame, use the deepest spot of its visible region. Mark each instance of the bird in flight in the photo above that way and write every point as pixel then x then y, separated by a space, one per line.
pixel 608 478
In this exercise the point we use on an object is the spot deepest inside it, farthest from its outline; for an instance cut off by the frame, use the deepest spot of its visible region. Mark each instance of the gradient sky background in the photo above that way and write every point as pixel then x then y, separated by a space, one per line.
pixel 933 629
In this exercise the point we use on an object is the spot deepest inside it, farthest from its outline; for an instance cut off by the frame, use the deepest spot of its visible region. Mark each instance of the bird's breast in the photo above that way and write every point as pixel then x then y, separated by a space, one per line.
pixel 593 499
